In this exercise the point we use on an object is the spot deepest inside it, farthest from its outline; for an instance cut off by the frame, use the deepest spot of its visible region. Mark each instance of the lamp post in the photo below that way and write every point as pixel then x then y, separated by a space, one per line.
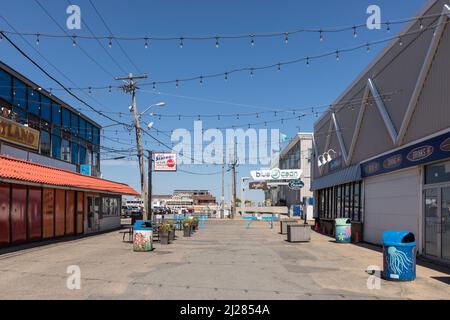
pixel 243 179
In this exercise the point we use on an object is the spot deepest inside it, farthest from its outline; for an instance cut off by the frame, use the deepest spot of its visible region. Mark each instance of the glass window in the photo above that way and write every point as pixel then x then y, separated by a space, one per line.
pixel 65 119
pixel 82 128
pixel 437 173
pixel 89 131
pixel 338 199
pixel 20 115
pixel 65 150
pixel 45 143
pixel 46 109
pixel 5 86
pixel 96 135
pixel 56 146
pixel 19 93
pixel 74 124
pixel 75 155
pixel 82 155
pixel 33 101
pixel 56 114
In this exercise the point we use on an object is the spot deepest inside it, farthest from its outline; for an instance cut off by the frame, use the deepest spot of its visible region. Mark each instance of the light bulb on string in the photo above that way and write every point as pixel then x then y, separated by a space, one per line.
pixel 400 41
pixel 177 84
pixel 337 56
pixel 154 86
pixel 217 42
pixel 388 26
pixel 74 41
pixel 321 35
pixel 286 38
pixel 110 43
pixel 38 39
pixel 279 67
pixel 146 43
pixel 420 24
pixel 251 72
pixel 110 89
pixel 355 32
pixel 201 79
pixel 181 45
pixel 307 61
pixel 368 47
pixel 226 76
pixel 253 40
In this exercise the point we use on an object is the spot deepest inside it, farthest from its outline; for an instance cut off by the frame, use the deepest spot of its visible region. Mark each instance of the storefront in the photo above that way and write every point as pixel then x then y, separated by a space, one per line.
pixel 39 202
pixel 382 151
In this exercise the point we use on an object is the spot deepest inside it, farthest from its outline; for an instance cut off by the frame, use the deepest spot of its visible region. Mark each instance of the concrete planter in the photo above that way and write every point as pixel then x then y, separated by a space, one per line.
pixel 172 235
pixel 164 238
pixel 284 224
pixel 187 231
pixel 299 233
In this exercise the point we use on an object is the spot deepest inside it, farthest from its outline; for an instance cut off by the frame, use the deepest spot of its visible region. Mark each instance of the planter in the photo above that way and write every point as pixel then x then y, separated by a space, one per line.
pixel 187 231
pixel 164 238
pixel 298 233
pixel 172 235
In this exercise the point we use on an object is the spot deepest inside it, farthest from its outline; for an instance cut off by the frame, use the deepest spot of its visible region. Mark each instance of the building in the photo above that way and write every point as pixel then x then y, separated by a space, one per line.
pixel 198 200
pixel 44 144
pixel 384 145
pixel 64 138
pixel 296 155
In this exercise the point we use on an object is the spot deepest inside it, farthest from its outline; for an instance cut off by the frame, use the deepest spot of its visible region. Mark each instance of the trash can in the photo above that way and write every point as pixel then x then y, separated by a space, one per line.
pixel 399 255
pixel 142 236
pixel 343 230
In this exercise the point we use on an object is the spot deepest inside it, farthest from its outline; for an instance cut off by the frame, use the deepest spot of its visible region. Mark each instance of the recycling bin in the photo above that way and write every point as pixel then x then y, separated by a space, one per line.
pixel 343 230
pixel 399 255
pixel 142 236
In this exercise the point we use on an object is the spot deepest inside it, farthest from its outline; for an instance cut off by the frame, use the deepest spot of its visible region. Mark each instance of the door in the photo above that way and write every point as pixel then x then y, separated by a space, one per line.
pixel 437 222
pixel 93 209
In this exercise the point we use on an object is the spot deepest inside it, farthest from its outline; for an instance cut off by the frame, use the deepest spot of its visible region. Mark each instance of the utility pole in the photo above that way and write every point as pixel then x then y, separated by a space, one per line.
pixel 130 87
pixel 222 205
pixel 150 168
pixel 233 165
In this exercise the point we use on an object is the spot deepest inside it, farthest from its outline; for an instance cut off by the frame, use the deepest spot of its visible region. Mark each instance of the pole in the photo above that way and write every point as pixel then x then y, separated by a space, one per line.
pixel 222 205
pixel 150 186
pixel 233 209
pixel 130 87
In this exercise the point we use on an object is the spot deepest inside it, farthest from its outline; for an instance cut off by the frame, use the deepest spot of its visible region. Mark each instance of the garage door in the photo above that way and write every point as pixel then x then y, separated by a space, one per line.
pixel 391 203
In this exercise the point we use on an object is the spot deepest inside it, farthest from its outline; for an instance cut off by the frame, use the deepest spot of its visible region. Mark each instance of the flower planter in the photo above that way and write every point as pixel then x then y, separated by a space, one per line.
pixel 164 238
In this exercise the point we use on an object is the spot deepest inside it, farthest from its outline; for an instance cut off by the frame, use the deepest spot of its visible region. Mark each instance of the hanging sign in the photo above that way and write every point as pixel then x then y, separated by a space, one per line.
pixel 165 161
pixel 276 174
pixel 296 185
pixel 258 185
pixel 18 134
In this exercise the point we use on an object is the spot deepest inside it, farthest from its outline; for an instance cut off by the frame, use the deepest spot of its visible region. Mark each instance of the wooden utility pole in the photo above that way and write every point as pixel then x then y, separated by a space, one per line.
pixel 233 165
pixel 130 87
pixel 150 186
pixel 222 204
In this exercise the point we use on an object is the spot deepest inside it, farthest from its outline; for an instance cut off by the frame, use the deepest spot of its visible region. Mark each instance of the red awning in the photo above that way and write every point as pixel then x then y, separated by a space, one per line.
pixel 20 170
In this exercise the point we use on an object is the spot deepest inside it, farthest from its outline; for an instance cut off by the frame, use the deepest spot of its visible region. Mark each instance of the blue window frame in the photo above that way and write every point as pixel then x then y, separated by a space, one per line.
pixel 96 135
pixel 46 109
pixel 5 86
pixel 65 119
pixel 19 94
pixel 33 101
pixel 56 114
pixel 56 146
pixel 89 131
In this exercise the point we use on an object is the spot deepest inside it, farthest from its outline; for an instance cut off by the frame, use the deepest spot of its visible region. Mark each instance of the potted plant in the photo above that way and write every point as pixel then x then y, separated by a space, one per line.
pixel 195 224
pixel 172 231
pixel 164 231
pixel 187 227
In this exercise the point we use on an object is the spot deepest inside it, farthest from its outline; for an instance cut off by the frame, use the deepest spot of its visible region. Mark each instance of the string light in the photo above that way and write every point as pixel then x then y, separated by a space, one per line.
pixel 321 35
pixel 217 42
pixel 226 76
pixel 279 67
pixel 253 40
pixel 181 45
pixel 74 42
pixel 368 47
pixel 420 24
pixel 400 41
pixel 307 61
pixel 337 55
pixel 286 38
pixel 355 32
pixel 37 39
pixel 201 79
pixel 110 89
pixel 177 84
pixel 154 85
pixel 110 42
pixel 388 26
pixel 251 72
pixel 146 43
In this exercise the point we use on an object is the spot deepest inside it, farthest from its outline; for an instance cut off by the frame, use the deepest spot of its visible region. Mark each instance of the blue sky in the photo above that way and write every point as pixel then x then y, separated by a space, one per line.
pixel 296 86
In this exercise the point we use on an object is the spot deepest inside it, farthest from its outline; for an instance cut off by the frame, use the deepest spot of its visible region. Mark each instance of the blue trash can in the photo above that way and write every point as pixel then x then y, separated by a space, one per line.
pixel 142 236
pixel 343 230
pixel 399 255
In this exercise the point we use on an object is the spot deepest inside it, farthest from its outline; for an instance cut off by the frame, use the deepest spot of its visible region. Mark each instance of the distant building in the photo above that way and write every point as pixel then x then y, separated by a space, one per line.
pixel 198 200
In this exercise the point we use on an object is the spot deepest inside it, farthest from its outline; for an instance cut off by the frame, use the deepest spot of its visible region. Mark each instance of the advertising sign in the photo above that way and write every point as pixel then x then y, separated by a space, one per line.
pixel 258 185
pixel 18 134
pixel 165 161
pixel 296 185
pixel 85 169
pixel 276 174
pixel 424 152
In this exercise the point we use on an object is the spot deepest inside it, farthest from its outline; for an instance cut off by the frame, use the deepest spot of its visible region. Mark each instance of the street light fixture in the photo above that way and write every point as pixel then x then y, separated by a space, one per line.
pixel 159 104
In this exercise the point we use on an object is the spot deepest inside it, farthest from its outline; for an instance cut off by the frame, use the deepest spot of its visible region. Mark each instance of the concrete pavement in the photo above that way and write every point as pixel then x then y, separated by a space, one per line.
pixel 223 261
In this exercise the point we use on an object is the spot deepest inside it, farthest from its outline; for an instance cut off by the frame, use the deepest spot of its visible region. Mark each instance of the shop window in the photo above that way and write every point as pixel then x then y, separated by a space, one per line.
pixel 45 144
pixel 19 94
pixel 5 86
pixel 56 146
pixel 33 102
pixel 65 150
pixel 46 109
pixel 437 173
pixel 82 155
pixel 82 128
pixel 110 206
pixel 56 115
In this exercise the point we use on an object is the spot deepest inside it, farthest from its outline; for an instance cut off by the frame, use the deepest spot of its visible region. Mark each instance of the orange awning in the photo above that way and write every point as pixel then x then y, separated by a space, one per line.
pixel 24 171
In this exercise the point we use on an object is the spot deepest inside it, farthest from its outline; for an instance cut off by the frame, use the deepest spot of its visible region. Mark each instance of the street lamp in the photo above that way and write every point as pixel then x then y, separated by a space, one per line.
pixel 159 104
pixel 243 179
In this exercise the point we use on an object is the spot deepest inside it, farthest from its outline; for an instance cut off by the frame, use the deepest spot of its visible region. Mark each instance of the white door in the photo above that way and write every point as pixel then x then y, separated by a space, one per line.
pixel 392 202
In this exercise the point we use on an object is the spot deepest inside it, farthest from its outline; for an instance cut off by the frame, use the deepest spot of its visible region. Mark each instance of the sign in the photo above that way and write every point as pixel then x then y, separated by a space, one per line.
pixel 276 174
pixel 18 134
pixel 165 161
pixel 296 185
pixel 258 185
pixel 85 169
pixel 434 149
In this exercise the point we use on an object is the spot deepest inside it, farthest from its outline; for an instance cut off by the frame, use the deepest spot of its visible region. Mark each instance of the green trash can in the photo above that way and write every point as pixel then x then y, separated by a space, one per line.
pixel 343 230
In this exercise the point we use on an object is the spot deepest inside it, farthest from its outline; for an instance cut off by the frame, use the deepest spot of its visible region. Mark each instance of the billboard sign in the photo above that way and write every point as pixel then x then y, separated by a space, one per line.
pixel 165 161
pixel 18 134
pixel 258 185
pixel 276 174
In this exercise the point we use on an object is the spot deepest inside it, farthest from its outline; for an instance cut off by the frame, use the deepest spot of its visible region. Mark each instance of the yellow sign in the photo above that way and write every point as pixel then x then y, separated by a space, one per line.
pixel 18 134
